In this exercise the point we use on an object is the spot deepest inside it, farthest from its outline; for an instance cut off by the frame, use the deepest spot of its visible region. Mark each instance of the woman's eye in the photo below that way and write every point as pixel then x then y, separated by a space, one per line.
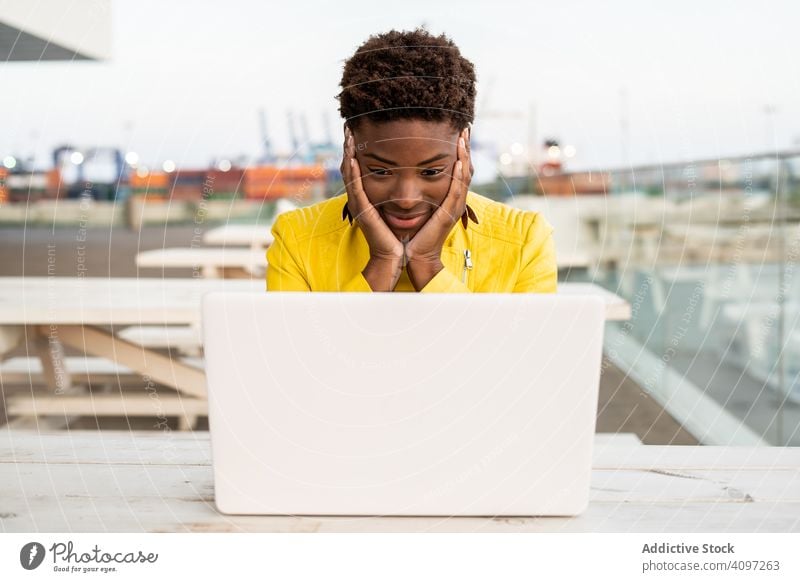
pixel 431 172
pixel 379 171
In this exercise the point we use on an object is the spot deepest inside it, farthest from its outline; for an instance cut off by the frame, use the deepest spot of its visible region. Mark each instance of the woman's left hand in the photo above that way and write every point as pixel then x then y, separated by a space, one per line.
pixel 423 253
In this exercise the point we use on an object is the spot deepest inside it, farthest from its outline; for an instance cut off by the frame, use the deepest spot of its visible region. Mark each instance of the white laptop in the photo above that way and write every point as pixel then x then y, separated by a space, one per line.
pixel 402 403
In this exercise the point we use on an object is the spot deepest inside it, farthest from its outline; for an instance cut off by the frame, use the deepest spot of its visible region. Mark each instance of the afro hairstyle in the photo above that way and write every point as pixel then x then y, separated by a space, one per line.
pixel 408 75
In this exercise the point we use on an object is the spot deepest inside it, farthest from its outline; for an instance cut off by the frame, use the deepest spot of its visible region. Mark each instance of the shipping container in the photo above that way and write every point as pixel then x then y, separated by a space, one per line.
pixel 189 177
pixel 228 182
pixel 183 192
pixel 271 182
pixel 27 186
pixel 153 185
pixel 3 191
pixel 224 196
pixel 55 187
pixel 572 184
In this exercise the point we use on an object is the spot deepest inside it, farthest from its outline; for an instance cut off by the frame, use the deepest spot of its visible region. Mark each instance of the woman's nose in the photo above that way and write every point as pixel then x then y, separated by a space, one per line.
pixel 408 196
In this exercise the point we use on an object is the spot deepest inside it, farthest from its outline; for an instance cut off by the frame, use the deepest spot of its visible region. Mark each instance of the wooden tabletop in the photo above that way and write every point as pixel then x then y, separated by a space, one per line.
pixel 85 481
pixel 252 235
pixel 617 309
pixel 109 300
pixel 188 257
pixel 142 301
pixel 573 259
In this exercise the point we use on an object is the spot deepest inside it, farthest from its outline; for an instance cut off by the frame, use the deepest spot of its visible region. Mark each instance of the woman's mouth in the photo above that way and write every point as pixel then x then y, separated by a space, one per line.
pixel 403 223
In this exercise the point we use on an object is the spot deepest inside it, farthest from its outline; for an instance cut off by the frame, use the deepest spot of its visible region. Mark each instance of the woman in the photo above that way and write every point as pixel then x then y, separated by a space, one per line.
pixel 407 221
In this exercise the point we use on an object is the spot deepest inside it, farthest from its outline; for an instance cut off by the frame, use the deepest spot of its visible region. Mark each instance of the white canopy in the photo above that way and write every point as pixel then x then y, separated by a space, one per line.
pixel 53 30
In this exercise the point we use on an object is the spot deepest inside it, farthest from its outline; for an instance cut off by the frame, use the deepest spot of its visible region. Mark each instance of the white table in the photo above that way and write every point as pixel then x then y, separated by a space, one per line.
pixel 67 311
pixel 617 309
pixel 573 259
pixel 74 311
pixel 212 262
pixel 162 482
pixel 255 236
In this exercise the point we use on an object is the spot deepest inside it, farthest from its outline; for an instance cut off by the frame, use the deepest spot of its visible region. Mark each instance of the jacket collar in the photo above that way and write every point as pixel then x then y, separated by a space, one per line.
pixel 469 213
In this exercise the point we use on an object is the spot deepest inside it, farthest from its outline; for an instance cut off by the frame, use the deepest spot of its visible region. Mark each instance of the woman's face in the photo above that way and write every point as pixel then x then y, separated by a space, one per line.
pixel 406 169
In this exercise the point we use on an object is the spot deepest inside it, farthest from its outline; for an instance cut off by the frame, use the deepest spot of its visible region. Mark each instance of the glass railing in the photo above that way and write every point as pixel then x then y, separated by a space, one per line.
pixel 707 255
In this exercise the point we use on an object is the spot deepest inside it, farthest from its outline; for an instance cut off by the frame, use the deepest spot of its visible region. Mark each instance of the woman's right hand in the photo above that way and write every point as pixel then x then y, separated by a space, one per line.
pixel 386 252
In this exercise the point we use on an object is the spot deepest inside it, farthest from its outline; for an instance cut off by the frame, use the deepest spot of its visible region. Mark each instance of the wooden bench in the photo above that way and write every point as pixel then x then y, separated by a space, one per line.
pixel 212 262
pixel 186 339
pixel 116 397
pixel 22 370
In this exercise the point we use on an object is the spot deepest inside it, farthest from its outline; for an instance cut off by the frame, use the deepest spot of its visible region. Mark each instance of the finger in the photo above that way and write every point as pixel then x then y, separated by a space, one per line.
pixel 460 193
pixel 349 154
pixel 347 134
pixel 449 212
pixel 463 157
pixel 350 175
pixel 467 158
pixel 343 168
pixel 364 211
pixel 349 144
pixel 354 170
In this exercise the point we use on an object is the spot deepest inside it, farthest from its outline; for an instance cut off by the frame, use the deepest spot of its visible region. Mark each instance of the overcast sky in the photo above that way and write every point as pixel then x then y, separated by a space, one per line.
pixel 186 79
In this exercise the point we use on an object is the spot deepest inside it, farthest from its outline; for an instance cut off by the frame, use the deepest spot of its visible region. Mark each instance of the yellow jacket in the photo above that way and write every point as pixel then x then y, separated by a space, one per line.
pixel 512 250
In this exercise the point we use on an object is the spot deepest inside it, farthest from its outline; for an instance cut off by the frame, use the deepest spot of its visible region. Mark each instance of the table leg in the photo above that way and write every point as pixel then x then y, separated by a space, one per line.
pixel 10 337
pixel 235 273
pixel 187 421
pixel 210 272
pixel 51 352
pixel 178 375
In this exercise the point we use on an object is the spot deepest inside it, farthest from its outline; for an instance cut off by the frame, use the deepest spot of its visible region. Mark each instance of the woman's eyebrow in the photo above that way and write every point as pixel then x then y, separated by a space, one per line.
pixel 422 163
